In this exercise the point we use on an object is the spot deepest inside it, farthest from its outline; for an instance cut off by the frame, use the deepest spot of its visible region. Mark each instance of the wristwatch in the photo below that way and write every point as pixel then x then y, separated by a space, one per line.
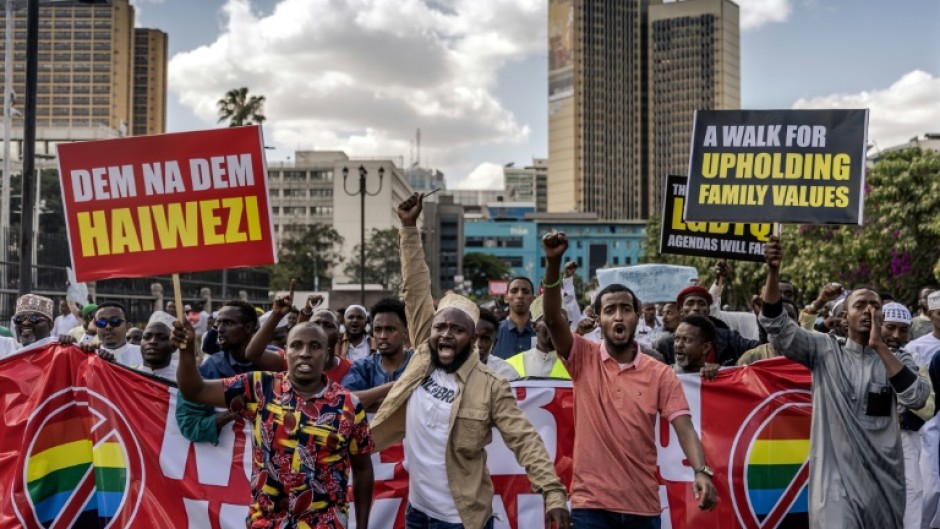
pixel 705 469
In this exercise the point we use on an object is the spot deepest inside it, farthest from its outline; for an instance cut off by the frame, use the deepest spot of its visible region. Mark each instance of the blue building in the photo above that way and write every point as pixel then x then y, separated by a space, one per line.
pixel 593 243
pixel 515 242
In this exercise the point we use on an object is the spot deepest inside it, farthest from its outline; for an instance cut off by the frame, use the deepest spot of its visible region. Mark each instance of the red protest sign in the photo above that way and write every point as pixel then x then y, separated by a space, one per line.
pixel 152 205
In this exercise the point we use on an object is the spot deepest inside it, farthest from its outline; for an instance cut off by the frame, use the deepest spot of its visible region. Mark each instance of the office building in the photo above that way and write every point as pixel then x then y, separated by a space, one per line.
pixel 150 70
pixel 528 184
pixel 603 95
pixel 310 190
pixel 592 243
pixel 96 71
pixel 443 235
pixel 425 180
pixel 693 65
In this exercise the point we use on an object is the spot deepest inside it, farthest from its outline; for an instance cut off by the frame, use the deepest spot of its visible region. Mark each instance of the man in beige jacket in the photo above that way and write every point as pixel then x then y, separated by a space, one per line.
pixel 446 404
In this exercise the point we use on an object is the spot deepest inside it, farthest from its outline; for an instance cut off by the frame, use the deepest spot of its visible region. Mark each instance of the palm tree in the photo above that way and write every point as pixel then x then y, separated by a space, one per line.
pixel 241 109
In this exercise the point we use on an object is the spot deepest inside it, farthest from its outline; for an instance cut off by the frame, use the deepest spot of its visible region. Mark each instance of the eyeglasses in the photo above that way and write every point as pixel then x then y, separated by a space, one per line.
pixel 112 322
pixel 33 317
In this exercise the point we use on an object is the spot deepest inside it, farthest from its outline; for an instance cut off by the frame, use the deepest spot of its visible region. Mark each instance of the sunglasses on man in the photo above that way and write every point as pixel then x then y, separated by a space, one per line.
pixel 33 317
pixel 110 322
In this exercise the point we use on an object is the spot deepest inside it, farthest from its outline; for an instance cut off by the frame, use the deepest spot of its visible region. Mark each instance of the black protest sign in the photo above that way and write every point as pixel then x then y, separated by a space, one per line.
pixel 796 166
pixel 721 240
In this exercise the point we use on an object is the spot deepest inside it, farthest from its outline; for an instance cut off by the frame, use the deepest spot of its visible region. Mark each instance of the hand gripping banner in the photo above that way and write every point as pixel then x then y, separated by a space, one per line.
pixel 89 444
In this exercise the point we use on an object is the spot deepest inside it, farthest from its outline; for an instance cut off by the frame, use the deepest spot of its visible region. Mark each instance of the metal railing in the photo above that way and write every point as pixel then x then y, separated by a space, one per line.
pixel 139 295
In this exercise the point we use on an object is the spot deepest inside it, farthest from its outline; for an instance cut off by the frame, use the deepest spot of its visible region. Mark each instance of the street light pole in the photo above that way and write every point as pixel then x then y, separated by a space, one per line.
pixel 29 148
pixel 362 192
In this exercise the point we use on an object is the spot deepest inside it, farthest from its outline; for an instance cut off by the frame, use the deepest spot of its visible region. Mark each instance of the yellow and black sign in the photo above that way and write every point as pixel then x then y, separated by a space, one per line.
pixel 797 166
pixel 721 240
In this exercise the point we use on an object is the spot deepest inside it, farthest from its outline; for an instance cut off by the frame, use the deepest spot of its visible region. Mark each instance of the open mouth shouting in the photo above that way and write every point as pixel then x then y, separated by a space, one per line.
pixel 446 351
pixel 619 332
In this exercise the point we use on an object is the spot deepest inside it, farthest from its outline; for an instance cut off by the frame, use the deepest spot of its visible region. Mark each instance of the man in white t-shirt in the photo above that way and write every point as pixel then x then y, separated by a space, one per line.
pixel 446 404
pixel 66 320
pixel 923 348
pixel 111 321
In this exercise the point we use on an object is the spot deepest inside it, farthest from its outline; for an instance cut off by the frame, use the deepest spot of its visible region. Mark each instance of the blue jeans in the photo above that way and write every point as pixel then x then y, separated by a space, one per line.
pixel 415 519
pixel 601 519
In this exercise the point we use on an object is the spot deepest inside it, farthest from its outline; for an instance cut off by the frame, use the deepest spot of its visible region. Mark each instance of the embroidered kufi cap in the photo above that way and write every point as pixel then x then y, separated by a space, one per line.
pixel 34 303
pixel 456 301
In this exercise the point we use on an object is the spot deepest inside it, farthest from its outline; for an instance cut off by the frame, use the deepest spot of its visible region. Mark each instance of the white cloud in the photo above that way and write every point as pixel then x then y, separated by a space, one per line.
pixel 756 13
pixel 908 108
pixel 485 176
pixel 361 75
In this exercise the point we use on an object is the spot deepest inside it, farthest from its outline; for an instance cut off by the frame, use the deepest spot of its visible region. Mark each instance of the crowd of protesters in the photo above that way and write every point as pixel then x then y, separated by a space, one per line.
pixel 436 376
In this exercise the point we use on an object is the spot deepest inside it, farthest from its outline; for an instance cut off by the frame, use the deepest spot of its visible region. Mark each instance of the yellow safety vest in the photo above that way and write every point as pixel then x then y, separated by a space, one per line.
pixel 558 369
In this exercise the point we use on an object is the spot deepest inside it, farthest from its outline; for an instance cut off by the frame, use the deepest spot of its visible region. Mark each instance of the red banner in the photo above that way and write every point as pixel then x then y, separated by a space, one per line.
pixel 152 205
pixel 87 443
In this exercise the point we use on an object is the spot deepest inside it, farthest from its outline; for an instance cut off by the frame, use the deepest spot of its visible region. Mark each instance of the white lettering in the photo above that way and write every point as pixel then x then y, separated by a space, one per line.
pixel 81 185
pixel 199 173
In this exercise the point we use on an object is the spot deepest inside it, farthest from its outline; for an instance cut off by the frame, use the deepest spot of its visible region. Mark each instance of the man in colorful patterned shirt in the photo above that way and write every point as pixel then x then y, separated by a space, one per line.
pixel 308 432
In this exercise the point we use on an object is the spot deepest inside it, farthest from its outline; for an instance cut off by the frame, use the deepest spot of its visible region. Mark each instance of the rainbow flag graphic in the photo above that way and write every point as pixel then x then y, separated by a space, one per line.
pixel 69 475
pixel 775 459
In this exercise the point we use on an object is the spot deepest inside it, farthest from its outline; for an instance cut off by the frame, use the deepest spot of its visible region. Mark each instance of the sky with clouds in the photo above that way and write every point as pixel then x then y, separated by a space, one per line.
pixel 363 75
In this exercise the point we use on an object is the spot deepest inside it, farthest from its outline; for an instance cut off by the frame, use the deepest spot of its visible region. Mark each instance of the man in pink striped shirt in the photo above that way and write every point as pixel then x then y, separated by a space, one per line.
pixel 618 394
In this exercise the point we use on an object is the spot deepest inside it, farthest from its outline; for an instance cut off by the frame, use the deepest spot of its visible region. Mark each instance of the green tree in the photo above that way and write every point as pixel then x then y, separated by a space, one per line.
pixel 895 249
pixel 383 263
pixel 480 268
pixel 51 215
pixel 238 108
pixel 308 254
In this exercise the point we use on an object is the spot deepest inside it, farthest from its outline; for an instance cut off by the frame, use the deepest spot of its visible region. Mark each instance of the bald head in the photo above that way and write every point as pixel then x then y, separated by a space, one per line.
pixel 307 326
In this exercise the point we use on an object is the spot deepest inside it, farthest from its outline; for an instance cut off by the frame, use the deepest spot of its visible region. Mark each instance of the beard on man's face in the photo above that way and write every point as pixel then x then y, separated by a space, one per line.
pixel 459 359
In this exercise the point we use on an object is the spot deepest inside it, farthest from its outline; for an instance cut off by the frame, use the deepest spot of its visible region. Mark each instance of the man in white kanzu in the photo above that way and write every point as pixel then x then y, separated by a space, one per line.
pixel 856 473
pixel 446 404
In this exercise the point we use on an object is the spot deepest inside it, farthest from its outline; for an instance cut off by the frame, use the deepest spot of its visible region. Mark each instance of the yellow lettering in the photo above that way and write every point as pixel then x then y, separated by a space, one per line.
pixel 93 229
pixel 841 166
pixel 745 169
pixel 123 232
pixel 710 165
pixel 726 163
pixel 842 197
pixel 210 222
pixel 718 228
pixel 821 167
pixel 174 228
pixel 761 231
pixel 254 219
pixel 146 228
pixel 233 232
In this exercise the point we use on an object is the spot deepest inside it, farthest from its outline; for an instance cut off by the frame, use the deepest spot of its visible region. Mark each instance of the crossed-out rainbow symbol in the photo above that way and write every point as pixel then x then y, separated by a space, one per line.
pixel 83 466
pixel 769 467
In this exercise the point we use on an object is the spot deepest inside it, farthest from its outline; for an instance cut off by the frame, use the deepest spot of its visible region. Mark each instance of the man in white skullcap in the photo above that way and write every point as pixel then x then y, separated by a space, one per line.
pixel 355 344
pixel 446 404
pixel 923 348
pixel 895 331
pixel 157 347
